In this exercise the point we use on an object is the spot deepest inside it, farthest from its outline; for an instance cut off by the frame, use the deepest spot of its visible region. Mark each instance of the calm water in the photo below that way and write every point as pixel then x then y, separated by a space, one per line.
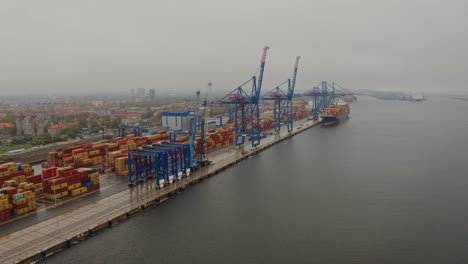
pixel 388 186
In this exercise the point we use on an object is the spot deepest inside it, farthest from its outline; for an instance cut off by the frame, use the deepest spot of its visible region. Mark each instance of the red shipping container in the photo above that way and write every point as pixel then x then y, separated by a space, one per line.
pixel 3 169
pixel 10 190
pixel 57 181
pixel 73 177
pixel 46 182
pixel 34 179
pixel 20 206
pixel 74 181
pixel 14 174
pixel 50 191
pixel 6 178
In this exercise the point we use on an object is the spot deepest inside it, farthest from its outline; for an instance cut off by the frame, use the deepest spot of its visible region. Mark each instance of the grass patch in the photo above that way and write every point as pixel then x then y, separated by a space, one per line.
pixel 8 147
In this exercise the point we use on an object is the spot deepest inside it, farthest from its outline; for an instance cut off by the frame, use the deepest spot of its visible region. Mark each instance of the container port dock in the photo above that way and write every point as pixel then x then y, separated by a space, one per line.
pixel 40 239
pixel 102 183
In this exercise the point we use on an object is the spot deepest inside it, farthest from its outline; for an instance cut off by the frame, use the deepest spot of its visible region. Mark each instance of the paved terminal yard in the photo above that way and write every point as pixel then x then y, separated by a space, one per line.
pixel 50 230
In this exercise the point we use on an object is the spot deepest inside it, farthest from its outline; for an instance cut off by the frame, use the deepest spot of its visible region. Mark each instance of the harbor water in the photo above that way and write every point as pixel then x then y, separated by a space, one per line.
pixel 389 185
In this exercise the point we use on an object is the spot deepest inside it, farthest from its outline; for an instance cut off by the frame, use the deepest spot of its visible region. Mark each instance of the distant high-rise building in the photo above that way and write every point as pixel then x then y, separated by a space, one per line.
pixel 152 94
pixel 31 124
pixel 132 93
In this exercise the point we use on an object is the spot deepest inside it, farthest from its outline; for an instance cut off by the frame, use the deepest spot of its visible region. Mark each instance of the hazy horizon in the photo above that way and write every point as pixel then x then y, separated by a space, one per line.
pixel 112 46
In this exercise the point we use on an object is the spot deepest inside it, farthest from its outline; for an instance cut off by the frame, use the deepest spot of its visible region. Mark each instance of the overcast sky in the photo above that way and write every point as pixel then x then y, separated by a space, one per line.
pixel 113 46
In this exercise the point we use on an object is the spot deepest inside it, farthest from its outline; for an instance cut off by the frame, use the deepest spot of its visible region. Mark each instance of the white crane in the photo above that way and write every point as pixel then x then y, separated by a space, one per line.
pixel 207 107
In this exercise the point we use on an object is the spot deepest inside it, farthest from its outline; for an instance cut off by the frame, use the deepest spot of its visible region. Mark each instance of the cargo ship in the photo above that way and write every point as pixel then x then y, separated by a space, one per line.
pixel 334 113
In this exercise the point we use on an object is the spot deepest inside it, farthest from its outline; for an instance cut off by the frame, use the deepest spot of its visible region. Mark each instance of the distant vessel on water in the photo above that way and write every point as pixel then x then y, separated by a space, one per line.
pixel 334 113
pixel 413 98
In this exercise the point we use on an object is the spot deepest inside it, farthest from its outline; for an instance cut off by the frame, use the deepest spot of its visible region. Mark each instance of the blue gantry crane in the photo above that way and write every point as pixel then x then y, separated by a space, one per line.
pixel 321 98
pixel 282 109
pixel 245 107
pixel 129 129
pixel 162 161
pixel 323 95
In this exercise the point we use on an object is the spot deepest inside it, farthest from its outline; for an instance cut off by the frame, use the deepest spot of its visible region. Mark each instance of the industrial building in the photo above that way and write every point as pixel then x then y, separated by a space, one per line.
pixel 177 120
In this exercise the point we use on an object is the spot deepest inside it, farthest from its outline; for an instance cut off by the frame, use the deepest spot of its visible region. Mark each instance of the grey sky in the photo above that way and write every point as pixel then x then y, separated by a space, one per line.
pixel 111 45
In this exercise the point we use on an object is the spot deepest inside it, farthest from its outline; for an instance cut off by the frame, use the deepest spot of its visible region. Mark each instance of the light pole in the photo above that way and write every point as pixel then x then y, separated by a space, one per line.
pixel 55 197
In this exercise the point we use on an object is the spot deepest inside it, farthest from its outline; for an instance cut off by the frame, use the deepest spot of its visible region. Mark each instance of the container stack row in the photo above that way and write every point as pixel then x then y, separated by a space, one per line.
pixel 69 182
pixel 12 173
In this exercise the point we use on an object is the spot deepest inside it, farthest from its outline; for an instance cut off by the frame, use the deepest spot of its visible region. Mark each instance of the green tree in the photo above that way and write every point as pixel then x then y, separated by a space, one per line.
pixel 106 122
pixel 94 126
pixel 116 122
pixel 82 118
pixel 71 131
pixel 18 141
pixel 147 113
pixel 55 119
pixel 13 130
pixel 9 118
pixel 41 139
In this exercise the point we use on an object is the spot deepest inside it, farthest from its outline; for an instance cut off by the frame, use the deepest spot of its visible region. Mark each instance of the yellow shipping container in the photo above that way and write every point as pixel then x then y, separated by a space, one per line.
pixel 74 186
pixel 11 183
pixel 57 195
pixel 38 191
pixel 112 145
pixel 4 174
pixel 27 194
pixel 87 161
pixel 22 178
pixel 3 202
pixel 58 186
pixel 79 191
pixel 38 185
pixel 20 201
pixel 32 207
pixel 9 164
pixel 21 211
pixel 94 152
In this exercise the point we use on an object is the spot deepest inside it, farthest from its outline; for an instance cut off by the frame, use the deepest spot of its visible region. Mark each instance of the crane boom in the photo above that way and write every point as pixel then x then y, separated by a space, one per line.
pixel 208 106
pixel 291 91
pixel 260 75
